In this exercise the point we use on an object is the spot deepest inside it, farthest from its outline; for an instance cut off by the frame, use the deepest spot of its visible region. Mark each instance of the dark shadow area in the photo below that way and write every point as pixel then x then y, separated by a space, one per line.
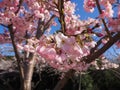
pixel 48 78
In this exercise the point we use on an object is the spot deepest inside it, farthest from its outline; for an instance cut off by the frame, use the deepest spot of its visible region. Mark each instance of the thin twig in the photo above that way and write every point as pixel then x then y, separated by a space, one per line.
pixel 49 22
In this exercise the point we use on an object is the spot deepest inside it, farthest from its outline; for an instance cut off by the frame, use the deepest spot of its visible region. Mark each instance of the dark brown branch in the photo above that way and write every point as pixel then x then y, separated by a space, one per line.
pixel 99 52
pixel 20 3
pixel 40 29
pixel 49 22
pixel 64 80
pixel 10 27
pixel 61 15
pixel 100 11
pixel 97 45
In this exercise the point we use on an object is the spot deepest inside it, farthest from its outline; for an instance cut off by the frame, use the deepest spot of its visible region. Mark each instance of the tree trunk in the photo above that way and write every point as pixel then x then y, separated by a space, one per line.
pixel 64 80
pixel 28 73
pixel 27 85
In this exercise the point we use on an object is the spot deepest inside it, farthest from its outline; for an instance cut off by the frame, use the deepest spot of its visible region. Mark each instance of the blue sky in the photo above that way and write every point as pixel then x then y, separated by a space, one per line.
pixel 1 29
pixel 80 10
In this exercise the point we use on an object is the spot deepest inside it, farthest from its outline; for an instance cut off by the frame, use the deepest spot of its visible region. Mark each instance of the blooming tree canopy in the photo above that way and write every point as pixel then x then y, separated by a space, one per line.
pixel 27 25
pixel 27 21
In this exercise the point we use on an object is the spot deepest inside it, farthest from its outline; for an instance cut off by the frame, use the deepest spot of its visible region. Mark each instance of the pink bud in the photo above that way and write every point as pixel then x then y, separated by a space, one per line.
pixel 99 34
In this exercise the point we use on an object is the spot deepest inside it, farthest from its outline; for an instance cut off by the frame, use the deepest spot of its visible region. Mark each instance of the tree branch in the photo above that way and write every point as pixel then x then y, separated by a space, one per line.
pixel 64 80
pixel 61 15
pixel 100 11
pixel 20 3
pixel 99 52
pixel 40 29
pixel 10 27
pixel 49 22
pixel 42 26
pixel 98 44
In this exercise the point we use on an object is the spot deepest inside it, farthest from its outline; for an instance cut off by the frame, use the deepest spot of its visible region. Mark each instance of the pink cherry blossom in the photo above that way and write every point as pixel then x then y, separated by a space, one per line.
pixel 69 8
pixel 108 12
pixel 62 51
pixel 48 53
pixel 89 5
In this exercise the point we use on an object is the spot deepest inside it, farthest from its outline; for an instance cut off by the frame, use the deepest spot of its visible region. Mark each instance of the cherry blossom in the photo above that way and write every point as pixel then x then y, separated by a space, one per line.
pixel 105 64
pixel 28 26
pixel 108 12
pixel 89 5
pixel 63 51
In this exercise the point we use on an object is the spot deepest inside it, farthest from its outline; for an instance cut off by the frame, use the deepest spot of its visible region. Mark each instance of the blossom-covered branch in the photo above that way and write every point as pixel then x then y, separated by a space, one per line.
pixel 10 27
pixel 99 52
pixel 101 12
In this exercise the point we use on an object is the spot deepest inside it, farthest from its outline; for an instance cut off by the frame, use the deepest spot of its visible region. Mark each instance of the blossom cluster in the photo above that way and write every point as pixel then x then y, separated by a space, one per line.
pixel 62 51
pixel 104 64
pixel 89 5
pixel 107 10
pixel 23 18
